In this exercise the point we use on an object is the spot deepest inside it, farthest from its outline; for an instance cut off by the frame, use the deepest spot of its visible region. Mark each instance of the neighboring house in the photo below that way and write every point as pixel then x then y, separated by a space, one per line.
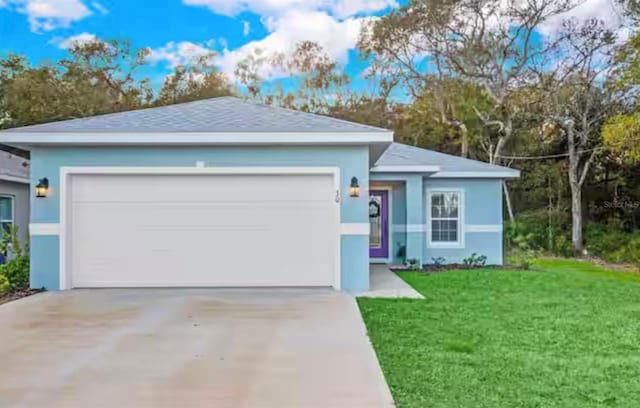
pixel 14 194
pixel 224 192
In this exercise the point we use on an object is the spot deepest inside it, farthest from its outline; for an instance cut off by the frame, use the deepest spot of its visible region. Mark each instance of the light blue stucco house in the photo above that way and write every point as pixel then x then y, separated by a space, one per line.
pixel 224 192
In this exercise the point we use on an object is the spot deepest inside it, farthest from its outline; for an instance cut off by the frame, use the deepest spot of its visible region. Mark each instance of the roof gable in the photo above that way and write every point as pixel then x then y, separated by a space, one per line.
pixel 401 155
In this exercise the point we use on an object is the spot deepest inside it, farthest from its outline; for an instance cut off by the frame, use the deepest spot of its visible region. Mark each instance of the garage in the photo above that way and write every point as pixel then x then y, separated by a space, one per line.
pixel 200 227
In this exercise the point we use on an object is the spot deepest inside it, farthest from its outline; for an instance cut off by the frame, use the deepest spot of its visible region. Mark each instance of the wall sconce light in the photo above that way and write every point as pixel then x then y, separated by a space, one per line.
pixel 42 188
pixel 354 188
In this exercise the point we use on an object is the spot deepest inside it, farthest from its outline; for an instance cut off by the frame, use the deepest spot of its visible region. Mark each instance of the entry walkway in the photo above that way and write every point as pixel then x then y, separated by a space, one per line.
pixel 383 283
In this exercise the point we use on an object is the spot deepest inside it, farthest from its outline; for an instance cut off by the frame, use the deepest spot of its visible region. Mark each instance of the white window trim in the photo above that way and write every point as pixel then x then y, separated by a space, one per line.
pixel 461 225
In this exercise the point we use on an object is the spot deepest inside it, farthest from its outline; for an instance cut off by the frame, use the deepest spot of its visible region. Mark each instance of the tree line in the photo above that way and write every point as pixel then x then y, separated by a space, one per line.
pixel 509 82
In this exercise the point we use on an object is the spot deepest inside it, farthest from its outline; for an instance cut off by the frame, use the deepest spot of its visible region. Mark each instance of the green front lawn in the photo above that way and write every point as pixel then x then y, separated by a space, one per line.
pixel 567 335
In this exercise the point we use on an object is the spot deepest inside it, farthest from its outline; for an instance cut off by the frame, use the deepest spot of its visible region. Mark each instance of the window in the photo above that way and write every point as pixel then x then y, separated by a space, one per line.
pixel 444 217
pixel 6 213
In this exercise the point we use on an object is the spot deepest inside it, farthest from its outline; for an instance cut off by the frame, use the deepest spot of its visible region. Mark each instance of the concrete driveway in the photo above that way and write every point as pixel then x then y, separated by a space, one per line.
pixel 187 348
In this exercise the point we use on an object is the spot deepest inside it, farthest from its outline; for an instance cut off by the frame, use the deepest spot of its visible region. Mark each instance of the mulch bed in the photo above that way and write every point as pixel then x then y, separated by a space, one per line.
pixel 430 268
pixel 18 295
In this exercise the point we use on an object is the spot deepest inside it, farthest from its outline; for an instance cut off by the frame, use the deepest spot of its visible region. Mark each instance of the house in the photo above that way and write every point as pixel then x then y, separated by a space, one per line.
pixel 224 192
pixel 14 194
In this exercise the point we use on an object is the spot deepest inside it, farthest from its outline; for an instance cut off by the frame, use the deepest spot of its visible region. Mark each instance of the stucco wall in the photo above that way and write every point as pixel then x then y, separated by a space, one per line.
pixel 20 193
pixel 352 161
pixel 482 212
pixel 482 216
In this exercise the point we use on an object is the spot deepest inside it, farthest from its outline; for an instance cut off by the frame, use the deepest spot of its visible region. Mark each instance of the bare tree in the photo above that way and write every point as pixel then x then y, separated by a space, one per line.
pixel 490 43
pixel 576 102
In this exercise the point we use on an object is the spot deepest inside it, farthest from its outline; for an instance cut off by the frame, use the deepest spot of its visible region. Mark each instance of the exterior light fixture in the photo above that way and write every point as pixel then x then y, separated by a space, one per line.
pixel 42 188
pixel 354 188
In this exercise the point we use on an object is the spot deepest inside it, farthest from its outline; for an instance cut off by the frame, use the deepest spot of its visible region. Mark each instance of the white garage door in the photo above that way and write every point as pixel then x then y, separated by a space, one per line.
pixel 202 230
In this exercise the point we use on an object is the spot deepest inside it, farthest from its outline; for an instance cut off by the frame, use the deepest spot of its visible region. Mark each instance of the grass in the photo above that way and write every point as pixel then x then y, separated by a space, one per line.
pixel 566 335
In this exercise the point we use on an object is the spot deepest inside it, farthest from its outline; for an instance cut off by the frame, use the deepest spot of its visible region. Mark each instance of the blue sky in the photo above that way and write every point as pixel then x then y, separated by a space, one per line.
pixel 176 30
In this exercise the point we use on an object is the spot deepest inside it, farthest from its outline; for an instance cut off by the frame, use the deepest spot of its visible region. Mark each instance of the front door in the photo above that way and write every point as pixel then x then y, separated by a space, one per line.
pixel 379 223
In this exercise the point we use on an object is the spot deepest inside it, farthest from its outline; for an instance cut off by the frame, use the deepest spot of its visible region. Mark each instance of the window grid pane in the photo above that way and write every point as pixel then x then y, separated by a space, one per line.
pixel 6 209
pixel 444 216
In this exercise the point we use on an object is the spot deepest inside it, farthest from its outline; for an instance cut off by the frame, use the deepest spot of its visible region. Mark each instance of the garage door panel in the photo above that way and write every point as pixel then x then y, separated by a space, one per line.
pixel 251 241
pixel 200 188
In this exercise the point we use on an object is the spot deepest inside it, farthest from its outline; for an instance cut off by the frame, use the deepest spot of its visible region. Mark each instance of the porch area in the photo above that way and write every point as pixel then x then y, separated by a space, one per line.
pixel 396 217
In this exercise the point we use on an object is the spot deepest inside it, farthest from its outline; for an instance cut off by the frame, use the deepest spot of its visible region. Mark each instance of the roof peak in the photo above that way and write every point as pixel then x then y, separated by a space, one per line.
pixel 223 114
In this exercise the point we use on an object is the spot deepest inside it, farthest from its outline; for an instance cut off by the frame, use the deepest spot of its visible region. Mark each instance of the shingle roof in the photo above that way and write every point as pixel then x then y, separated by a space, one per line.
pixel 13 166
pixel 224 114
pixel 398 154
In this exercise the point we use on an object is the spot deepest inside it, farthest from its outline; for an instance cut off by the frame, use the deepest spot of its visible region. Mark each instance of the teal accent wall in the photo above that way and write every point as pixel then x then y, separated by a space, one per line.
pixel 352 161
pixel 44 262
pixel 399 220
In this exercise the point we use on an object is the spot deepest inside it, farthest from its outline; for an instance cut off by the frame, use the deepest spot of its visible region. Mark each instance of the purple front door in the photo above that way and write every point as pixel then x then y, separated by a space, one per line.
pixel 379 223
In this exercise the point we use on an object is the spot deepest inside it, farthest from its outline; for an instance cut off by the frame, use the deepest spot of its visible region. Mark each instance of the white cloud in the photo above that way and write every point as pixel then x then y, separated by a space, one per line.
pixel 337 37
pixel 608 11
pixel 334 24
pixel 180 53
pixel 75 39
pixel 337 8
pixel 99 7
pixel 46 15
pixel 246 27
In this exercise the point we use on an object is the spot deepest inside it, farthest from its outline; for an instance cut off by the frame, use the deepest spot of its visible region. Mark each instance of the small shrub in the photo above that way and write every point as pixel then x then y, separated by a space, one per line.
pixel 438 262
pixel 521 254
pixel 16 266
pixel 612 243
pixel 413 263
pixel 16 270
pixel 549 232
pixel 4 285
pixel 475 260
pixel 521 258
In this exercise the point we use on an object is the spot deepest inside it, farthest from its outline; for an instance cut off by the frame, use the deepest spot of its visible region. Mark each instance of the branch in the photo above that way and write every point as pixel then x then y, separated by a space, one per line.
pixel 585 169
pixel 485 120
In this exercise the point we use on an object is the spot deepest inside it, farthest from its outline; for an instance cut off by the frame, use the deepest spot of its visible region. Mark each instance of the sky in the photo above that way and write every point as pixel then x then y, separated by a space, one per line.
pixel 177 30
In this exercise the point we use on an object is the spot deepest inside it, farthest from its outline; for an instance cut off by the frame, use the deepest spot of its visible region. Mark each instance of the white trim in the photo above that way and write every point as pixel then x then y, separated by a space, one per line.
pixel 467 228
pixel 477 174
pixel 354 228
pixel 66 172
pixel 389 190
pixel 405 169
pixel 14 179
pixel 193 138
pixel 461 225
pixel 483 228
pixel 415 227
pixel 411 227
pixel 44 229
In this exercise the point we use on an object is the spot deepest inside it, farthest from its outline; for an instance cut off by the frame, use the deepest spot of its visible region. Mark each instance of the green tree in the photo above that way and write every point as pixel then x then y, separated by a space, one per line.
pixel 199 79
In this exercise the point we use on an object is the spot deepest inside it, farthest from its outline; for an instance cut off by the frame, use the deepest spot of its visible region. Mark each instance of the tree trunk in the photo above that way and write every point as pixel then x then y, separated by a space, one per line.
pixel 465 140
pixel 576 191
pixel 576 219
pixel 507 199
